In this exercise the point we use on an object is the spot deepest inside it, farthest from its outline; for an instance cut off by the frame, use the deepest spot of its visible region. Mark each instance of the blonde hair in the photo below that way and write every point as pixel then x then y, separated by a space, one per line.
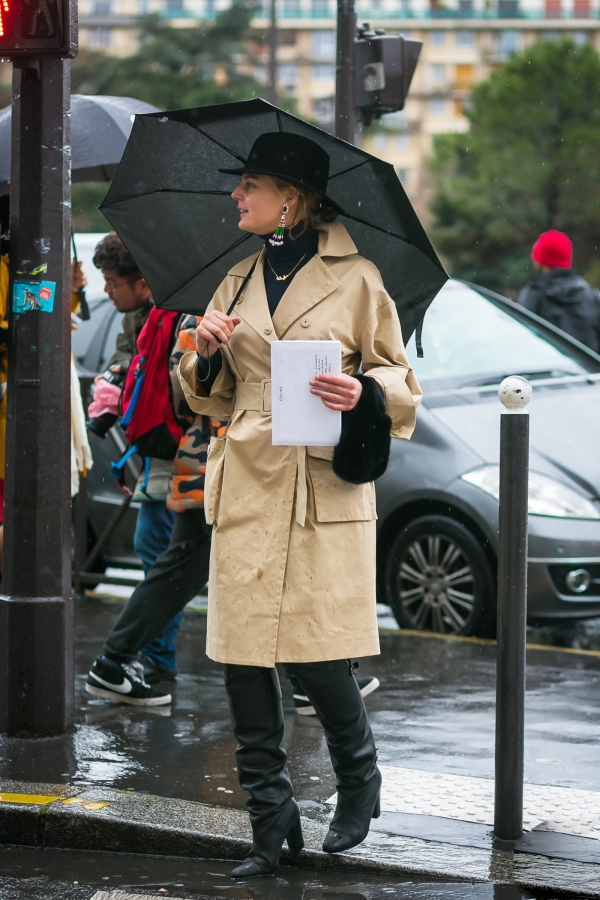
pixel 311 209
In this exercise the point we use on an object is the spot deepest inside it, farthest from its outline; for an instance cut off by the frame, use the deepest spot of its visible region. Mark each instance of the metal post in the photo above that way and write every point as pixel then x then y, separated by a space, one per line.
pixel 36 629
pixel 346 123
pixel 515 394
pixel 272 40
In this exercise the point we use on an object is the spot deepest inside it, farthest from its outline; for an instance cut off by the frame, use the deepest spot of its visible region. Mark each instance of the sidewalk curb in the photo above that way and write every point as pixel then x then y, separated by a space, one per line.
pixel 142 823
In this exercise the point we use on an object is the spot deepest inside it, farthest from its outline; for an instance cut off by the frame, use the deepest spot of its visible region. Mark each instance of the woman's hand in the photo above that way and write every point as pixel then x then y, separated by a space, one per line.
pixel 337 391
pixel 214 330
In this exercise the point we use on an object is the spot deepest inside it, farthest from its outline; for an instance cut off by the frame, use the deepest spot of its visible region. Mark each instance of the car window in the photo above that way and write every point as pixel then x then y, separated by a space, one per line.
pixel 468 339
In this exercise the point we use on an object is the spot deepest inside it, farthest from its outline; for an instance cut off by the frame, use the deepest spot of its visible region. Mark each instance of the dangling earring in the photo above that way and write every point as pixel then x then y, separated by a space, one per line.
pixel 277 238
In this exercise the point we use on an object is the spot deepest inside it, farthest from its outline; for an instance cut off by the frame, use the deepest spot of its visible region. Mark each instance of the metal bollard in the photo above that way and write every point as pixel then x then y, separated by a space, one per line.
pixel 515 393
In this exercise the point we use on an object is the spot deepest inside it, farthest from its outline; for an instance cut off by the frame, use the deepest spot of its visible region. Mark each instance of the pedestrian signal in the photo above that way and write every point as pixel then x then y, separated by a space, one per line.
pixel 384 65
pixel 36 29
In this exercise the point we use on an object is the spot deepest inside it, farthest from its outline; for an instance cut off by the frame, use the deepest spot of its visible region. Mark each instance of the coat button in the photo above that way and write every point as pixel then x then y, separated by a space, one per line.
pixel 305 322
pixel 268 330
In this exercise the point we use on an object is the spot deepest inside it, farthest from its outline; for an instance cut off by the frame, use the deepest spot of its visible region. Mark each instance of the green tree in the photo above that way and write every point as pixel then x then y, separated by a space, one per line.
pixel 175 68
pixel 529 163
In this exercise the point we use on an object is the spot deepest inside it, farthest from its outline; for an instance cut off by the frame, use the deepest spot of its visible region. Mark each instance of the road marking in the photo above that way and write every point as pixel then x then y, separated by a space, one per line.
pixel 460 797
pixel 475 640
pixel 119 895
pixel 35 799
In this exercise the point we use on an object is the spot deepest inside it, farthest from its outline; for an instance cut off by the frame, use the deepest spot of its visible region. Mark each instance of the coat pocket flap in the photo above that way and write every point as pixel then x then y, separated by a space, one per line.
pixel 337 500
pixel 320 452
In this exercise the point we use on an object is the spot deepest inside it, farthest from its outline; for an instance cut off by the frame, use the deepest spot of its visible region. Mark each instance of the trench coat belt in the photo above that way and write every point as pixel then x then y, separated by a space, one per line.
pixel 256 396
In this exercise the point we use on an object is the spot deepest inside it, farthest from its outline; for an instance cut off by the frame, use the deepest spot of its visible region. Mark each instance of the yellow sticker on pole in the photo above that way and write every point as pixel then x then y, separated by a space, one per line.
pixel 35 799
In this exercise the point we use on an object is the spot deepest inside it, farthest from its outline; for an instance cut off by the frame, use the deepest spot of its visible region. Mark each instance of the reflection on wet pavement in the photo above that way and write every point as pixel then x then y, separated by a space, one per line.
pixel 433 712
pixel 76 875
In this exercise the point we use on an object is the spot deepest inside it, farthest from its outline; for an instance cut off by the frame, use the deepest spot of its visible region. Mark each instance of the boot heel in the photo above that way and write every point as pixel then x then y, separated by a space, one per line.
pixel 295 838
pixel 377 809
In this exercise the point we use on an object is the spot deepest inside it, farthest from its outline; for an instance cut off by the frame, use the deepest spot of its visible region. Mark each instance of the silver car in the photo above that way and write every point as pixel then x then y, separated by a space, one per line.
pixel 438 501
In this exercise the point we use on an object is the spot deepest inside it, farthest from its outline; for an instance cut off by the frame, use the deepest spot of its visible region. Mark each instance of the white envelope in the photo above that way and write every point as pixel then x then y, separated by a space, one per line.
pixel 300 418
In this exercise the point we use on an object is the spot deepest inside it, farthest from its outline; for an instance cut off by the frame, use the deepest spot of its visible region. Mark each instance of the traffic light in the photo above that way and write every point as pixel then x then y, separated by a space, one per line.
pixel 37 28
pixel 384 65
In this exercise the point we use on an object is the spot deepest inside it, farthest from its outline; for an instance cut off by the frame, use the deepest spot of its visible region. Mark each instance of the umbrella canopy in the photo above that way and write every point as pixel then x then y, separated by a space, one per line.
pixel 172 208
pixel 100 127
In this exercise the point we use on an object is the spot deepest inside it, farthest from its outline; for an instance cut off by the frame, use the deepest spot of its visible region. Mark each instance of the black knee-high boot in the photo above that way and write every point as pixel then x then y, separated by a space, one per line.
pixel 257 712
pixel 332 689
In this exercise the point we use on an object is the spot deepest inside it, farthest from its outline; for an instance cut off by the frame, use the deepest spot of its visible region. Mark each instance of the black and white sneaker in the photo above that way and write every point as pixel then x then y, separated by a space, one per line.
pixel 365 685
pixel 123 682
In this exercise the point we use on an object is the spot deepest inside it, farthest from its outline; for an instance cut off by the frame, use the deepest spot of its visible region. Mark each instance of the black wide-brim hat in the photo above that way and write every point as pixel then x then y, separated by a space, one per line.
pixel 292 157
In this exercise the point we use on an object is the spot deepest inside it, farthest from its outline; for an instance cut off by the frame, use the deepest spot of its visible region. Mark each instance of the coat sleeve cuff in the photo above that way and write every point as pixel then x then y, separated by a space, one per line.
pixel 220 403
pixel 363 452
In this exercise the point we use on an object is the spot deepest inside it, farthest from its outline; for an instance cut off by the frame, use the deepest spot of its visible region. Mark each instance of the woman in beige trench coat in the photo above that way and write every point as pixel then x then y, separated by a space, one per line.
pixel 292 576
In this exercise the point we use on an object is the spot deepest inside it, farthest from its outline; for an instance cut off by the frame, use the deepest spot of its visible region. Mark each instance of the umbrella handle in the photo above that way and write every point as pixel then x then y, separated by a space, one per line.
pixel 229 311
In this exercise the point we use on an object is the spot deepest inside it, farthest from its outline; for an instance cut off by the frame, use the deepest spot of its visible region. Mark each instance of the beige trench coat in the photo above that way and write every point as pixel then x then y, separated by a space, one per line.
pixel 292 571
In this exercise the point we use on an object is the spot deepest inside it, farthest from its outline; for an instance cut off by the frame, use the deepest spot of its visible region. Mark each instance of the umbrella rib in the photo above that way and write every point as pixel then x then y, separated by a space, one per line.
pixel 351 169
pixel 163 191
pixel 377 228
pixel 278 117
pixel 219 144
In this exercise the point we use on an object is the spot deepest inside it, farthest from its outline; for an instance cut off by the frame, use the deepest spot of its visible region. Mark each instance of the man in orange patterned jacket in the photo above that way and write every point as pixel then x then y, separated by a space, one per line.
pixel 179 573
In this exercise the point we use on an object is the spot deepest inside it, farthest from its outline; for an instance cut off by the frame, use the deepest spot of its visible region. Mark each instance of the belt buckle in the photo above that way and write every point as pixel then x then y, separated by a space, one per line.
pixel 265 397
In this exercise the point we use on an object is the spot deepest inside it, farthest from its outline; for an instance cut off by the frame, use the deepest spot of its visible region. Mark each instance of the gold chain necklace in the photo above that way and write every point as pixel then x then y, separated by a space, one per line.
pixel 284 277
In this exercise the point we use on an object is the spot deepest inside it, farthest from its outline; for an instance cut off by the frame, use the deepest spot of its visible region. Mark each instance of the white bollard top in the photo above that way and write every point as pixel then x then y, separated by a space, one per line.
pixel 515 393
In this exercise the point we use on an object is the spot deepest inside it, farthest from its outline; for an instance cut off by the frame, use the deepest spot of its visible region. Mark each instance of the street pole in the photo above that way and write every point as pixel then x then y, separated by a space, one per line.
pixel 515 394
pixel 36 628
pixel 272 40
pixel 346 123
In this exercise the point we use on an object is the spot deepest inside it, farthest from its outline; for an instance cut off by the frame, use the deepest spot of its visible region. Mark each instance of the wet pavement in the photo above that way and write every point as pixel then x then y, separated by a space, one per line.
pixel 34 874
pixel 434 712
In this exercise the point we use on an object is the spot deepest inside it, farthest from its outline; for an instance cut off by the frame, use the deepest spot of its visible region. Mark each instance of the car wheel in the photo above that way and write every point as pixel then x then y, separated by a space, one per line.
pixel 438 578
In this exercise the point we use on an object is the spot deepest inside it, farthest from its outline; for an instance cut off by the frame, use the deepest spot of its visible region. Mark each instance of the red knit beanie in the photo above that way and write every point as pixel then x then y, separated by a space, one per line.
pixel 554 249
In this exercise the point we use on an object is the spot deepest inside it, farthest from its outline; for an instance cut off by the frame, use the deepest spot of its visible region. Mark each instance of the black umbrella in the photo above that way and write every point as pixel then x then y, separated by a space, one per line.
pixel 172 208
pixel 100 126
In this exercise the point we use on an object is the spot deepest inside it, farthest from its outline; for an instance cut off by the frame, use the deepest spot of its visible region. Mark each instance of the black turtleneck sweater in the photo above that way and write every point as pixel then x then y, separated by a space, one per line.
pixel 296 250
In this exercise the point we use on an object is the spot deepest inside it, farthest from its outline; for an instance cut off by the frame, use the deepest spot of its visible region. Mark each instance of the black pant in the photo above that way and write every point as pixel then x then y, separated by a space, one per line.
pixel 175 578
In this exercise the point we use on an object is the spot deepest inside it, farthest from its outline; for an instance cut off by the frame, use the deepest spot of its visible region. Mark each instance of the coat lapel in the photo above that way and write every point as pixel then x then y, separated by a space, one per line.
pixel 312 284
pixel 252 306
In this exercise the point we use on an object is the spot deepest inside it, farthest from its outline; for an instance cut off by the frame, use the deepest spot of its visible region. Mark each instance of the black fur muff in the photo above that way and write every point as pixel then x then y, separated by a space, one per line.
pixel 363 452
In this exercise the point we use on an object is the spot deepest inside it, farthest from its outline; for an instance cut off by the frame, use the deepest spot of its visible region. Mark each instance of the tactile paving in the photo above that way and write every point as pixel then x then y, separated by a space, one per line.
pixel 545 807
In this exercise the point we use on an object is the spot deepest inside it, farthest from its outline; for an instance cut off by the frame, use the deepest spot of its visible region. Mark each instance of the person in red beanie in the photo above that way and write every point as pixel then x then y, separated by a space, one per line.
pixel 558 294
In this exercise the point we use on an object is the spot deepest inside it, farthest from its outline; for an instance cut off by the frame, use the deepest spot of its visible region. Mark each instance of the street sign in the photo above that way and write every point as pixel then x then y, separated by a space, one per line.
pixel 384 65
pixel 36 29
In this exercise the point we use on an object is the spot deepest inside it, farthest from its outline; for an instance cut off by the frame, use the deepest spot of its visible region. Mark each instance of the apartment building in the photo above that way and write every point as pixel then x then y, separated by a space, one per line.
pixel 463 41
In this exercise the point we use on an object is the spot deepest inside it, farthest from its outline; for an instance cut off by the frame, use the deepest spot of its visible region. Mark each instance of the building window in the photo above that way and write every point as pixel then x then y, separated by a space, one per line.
pixel 465 8
pixel 323 73
pixel 320 9
pixel 437 38
pixel 436 107
pixel 100 38
pixel 286 38
pixel 101 8
pixel 553 9
pixel 288 76
pixel 324 44
pixel 580 37
pixel 324 111
pixel 508 9
pixel 403 143
pixel 465 38
pixel 508 42
pixel 144 7
pixel 379 143
pixel 174 6
pixel 582 9
pixel 465 76
pixel 402 175
pixel 437 75
pixel 291 9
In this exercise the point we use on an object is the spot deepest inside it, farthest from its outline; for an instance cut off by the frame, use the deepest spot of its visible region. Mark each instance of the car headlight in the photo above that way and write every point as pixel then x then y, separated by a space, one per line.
pixel 547 497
